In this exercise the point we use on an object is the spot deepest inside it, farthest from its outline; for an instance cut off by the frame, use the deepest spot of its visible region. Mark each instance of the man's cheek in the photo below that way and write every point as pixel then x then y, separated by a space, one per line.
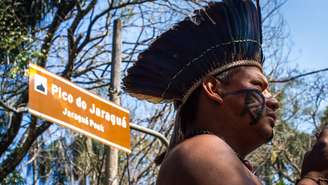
pixel 254 105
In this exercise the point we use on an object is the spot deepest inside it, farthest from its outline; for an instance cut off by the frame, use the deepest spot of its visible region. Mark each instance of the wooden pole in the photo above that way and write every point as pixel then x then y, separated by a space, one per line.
pixel 111 164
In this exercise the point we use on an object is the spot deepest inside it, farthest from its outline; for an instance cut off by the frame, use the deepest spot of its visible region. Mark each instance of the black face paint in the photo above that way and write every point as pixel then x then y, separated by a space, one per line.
pixel 254 103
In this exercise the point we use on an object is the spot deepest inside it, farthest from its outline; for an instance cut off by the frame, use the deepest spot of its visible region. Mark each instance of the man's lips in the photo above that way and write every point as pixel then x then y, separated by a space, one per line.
pixel 273 116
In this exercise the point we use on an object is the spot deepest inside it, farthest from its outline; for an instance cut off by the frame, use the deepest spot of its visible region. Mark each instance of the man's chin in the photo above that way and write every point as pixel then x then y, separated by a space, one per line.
pixel 268 131
pixel 270 138
pixel 267 134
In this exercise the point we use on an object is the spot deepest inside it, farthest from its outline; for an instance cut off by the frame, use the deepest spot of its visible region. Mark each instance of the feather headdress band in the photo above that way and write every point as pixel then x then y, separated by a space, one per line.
pixel 219 37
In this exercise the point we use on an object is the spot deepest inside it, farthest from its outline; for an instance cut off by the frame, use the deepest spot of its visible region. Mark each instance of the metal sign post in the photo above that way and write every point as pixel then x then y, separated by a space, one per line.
pixel 111 165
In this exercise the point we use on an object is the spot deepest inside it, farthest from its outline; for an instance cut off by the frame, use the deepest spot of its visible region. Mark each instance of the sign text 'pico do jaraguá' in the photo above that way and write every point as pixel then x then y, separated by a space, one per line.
pixel 58 100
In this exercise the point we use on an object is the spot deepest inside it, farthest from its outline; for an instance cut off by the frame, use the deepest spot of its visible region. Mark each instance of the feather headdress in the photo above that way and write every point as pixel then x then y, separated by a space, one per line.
pixel 216 38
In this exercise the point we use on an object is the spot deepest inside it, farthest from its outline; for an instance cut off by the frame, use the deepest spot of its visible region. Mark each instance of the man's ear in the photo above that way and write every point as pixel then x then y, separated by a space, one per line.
pixel 213 89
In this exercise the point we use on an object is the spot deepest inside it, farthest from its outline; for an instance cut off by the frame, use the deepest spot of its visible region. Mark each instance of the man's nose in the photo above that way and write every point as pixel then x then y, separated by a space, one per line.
pixel 271 101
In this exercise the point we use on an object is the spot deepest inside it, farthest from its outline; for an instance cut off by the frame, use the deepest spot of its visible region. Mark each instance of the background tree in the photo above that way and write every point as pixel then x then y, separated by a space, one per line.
pixel 73 39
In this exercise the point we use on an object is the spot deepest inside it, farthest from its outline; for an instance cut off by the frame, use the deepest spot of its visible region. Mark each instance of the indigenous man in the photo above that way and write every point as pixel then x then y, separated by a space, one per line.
pixel 210 66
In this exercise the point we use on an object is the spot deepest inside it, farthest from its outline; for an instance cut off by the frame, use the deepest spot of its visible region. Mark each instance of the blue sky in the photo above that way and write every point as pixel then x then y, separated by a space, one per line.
pixel 307 22
pixel 308 26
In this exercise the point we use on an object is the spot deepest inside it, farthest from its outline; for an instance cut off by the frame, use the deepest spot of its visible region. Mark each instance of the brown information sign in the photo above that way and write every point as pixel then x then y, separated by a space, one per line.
pixel 58 100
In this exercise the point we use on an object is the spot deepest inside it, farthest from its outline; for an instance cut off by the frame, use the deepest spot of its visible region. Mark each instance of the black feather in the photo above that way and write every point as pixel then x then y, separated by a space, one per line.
pixel 191 49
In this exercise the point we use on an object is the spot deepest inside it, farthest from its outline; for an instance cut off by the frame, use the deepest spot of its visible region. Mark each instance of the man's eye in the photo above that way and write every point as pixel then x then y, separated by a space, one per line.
pixel 257 83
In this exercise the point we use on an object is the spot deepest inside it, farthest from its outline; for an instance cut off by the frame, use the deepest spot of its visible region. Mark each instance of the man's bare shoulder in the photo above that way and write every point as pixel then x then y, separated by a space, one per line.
pixel 203 160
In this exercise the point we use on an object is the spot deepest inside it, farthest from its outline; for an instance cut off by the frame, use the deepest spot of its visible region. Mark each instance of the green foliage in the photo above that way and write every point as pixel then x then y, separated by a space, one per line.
pixel 281 183
pixel 14 40
pixel 324 118
pixel 13 179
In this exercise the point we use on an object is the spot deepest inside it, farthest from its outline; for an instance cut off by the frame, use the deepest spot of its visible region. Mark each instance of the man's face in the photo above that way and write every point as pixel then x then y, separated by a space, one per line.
pixel 249 105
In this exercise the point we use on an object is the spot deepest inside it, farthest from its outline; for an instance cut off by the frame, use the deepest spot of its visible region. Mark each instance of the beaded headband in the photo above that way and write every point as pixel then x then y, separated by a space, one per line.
pixel 215 71
pixel 219 71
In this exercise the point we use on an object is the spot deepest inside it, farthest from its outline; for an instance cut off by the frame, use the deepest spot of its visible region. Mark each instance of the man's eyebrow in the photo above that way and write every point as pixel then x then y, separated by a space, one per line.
pixel 263 79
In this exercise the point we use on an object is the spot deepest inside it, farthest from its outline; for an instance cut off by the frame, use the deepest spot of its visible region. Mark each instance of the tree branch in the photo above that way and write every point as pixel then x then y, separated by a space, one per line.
pixel 60 15
pixel 16 156
pixel 9 136
pixel 298 76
